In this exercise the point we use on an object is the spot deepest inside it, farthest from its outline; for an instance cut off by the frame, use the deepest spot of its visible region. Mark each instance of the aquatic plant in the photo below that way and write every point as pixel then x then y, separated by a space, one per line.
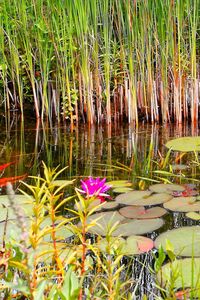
pixel 43 252
pixel 96 60
pixel 94 187
pixel 177 278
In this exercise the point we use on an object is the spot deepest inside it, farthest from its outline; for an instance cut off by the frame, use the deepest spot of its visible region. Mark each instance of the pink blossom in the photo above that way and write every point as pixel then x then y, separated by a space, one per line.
pixel 95 187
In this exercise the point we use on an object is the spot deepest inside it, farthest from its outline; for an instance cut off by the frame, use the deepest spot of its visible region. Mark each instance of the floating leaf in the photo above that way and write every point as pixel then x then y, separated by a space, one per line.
pixel 12 230
pixel 138 227
pixel 193 215
pixel 125 227
pixel 120 190
pixel 3 214
pixel 185 274
pixel 190 190
pixel 104 205
pixel 61 234
pixel 185 144
pixel 133 245
pixel 186 240
pixel 138 244
pixel 109 205
pixel 45 253
pixel 106 218
pixel 139 212
pixel 183 204
pixel 119 183
pixel 19 200
pixel 143 198
pixel 166 188
pixel 116 244
pixel 128 198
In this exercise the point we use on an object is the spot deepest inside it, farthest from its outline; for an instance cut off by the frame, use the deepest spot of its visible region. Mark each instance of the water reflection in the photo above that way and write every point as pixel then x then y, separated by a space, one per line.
pixel 86 150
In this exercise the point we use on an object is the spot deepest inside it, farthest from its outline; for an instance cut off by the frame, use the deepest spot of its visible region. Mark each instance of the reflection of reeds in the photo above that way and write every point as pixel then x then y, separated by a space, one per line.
pixel 92 59
pixel 111 151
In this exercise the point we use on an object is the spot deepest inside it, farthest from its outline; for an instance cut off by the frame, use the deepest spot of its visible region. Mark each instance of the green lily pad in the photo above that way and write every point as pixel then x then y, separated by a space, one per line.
pixel 61 234
pixel 166 188
pixel 186 274
pixel 139 212
pixel 104 219
pixel 92 205
pixel 128 198
pixel 125 227
pixel 185 144
pixel 183 204
pixel 143 198
pixel 104 205
pixel 45 253
pixel 19 200
pixel 120 190
pixel 193 215
pixel 12 230
pixel 3 214
pixel 119 183
pixel 133 245
pixel 138 227
pixel 185 240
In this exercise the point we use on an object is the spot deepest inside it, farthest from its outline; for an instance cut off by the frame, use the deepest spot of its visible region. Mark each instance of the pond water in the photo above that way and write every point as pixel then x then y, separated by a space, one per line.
pixel 116 152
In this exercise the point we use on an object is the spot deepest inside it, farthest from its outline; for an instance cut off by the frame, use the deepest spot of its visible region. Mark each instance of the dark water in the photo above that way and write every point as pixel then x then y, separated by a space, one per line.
pixel 98 151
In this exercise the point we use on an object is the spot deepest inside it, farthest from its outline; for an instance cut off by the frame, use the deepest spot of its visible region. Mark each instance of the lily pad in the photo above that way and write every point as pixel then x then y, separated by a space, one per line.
pixel 104 219
pixel 193 215
pixel 104 205
pixel 138 227
pixel 139 212
pixel 143 198
pixel 185 144
pixel 19 200
pixel 61 233
pixel 3 214
pixel 128 198
pixel 183 204
pixel 124 227
pixel 120 190
pixel 46 251
pixel 185 240
pixel 186 274
pixel 12 230
pixel 119 183
pixel 166 188
pixel 133 245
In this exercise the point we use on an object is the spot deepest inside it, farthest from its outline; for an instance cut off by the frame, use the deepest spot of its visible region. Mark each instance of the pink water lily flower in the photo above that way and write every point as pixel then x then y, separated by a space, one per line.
pixel 95 187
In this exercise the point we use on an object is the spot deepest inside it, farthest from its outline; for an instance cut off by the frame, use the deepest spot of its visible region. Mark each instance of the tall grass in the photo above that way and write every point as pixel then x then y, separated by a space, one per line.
pixel 98 60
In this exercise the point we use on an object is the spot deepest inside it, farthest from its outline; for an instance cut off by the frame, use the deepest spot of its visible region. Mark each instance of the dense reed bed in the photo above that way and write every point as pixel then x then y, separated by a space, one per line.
pixel 101 60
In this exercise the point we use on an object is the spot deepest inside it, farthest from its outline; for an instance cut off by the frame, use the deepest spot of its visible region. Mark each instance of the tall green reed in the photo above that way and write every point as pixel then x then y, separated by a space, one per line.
pixel 96 60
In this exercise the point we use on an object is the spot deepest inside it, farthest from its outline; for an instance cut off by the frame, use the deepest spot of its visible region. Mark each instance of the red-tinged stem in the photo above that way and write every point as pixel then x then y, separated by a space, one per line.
pixel 83 256
pixel 53 234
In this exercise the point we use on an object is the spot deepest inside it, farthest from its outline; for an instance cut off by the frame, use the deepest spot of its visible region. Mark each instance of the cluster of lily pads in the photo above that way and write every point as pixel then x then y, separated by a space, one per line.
pixel 140 212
